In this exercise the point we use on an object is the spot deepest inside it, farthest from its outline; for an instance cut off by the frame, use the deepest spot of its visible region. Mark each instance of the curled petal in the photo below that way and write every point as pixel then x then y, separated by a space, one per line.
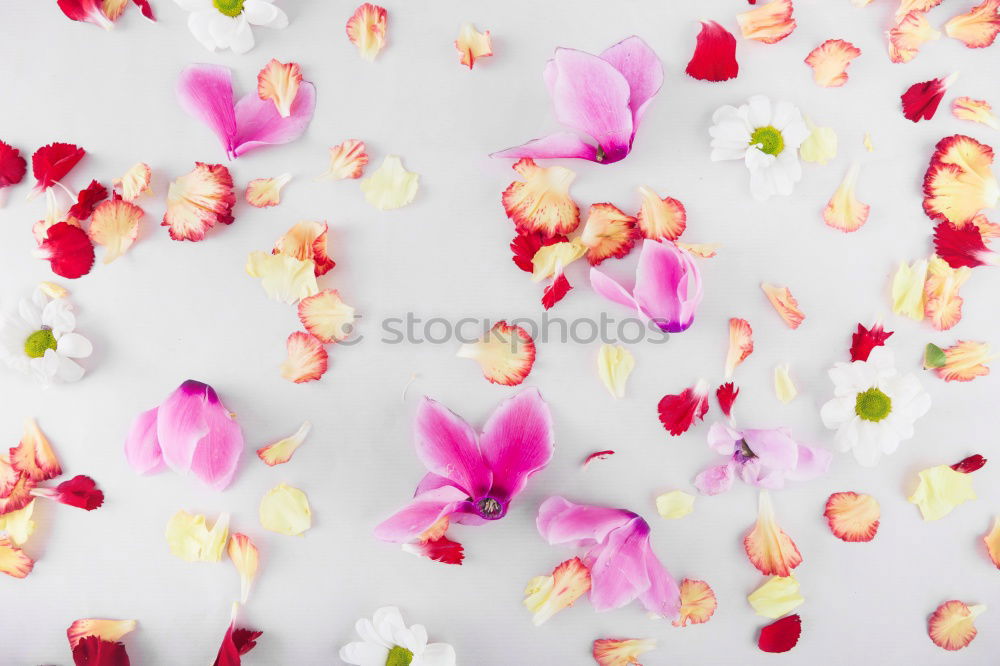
pixel 962 246
pixel 614 365
pixel 198 201
pixel 12 165
pixel 770 550
pixel 33 456
pixel 864 340
pixel 87 199
pixel 552 258
pixel 844 211
pixel 135 182
pixel 978 27
pixel 952 625
pixel 921 100
pixel 829 62
pixel 280 452
pixel 992 541
pixel 608 233
pixel 506 354
pixel 784 304
pixel 541 202
pixel 964 361
pixel 740 344
pixel 472 44
pixel 190 539
pixel 283 277
pixel 911 31
pixel 852 516
pixel 244 556
pixel 390 186
pixel 285 510
pixel 780 636
pixel 547 595
pixel 68 249
pixel 700 250
pixel 940 490
pixel 347 160
pixel 556 291
pixel 768 23
pixel 307 241
pixel 327 316
pixel 959 182
pixel 279 82
pixel 621 651
pixel 776 597
pixel 307 359
pixel 115 226
pixel 366 30
pixel 698 603
pixel 679 412
pixel 714 56
pixel 660 218
pixel 265 192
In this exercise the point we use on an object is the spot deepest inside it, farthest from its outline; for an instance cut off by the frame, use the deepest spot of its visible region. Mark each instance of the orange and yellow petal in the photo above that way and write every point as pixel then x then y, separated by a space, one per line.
pixel 107 630
pixel 279 82
pixel 778 596
pixel 992 541
pixel 976 110
pixel 852 516
pixel 552 259
pixel 768 23
pixel 614 365
pixel 547 595
pixel 283 277
pixel 265 192
pixel 784 387
pixel 659 218
pixel 190 539
pixel 978 27
pixel 829 62
pixel 307 241
pixel 390 186
pixel 366 30
pixel 54 291
pixel 988 230
pixel 964 361
pixel 13 561
pixel 952 625
pixel 697 603
pixel 770 550
pixel 674 504
pixel 33 456
pixel 135 182
pixel 959 182
pixel 18 524
pixel 784 304
pixel 908 289
pixel 942 303
pixel 506 354
pixel 307 360
pixel 740 344
pixel 621 651
pixel 820 146
pixel 327 316
pixel 199 200
pixel 280 452
pixel 912 30
pixel 608 233
pixel 115 225
pixel 541 202
pixel 472 44
pixel 700 250
pixel 285 510
pixel 940 490
pixel 15 488
pixel 844 211
pixel 347 160
pixel 244 556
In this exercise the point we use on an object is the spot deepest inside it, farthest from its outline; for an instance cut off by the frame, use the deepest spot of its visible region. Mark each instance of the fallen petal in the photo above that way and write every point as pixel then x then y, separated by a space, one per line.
pixel 780 636
pixel 621 651
pixel 679 412
pixel 714 56
pixel 198 201
pixel 608 233
pixel 952 625
pixel 844 211
pixel 472 44
pixel 614 365
pixel 327 316
pixel 390 186
pixel 852 516
pixel 347 160
pixel 769 23
pixel 784 304
pixel 977 28
pixel 829 62
pixel 776 597
pixel 940 490
pixel 190 539
pixel 541 202
pixel 265 192
pixel 366 30
pixel 740 344
pixel 547 595
pixel 279 82
pixel 307 359
pixel 505 354
pixel 280 452
pixel 285 510
pixel 115 225
pixel 770 550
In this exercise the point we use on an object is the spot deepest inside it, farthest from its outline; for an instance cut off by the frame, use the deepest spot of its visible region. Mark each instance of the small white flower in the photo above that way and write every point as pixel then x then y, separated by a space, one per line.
pixel 873 408
pixel 39 340
pixel 766 138
pixel 225 24
pixel 387 641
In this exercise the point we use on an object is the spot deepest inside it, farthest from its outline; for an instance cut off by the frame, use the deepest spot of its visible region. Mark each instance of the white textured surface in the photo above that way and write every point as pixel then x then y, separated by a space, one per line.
pixel 167 311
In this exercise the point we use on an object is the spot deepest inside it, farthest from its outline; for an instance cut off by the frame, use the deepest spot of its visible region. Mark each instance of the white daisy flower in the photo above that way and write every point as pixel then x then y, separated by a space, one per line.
pixel 225 24
pixel 873 408
pixel 39 340
pixel 387 641
pixel 766 138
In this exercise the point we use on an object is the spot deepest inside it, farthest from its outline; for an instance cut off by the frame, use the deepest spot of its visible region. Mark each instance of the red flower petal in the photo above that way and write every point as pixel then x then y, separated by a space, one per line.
pixel 235 644
pixel 556 291
pixel 678 412
pixel 866 339
pixel 962 246
pixel 597 455
pixel 80 491
pixel 970 464
pixel 441 549
pixel 12 165
pixel 525 245
pixel 726 395
pixel 92 651
pixel 68 249
pixel 921 100
pixel 52 162
pixel 90 11
pixel 714 56
pixel 88 197
pixel 780 636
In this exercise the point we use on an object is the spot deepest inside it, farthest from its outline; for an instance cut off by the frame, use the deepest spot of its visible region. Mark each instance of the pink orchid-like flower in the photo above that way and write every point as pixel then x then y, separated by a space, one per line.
pixel 206 92
pixel 667 286
pixel 764 458
pixel 602 96
pixel 623 566
pixel 472 479
pixel 190 431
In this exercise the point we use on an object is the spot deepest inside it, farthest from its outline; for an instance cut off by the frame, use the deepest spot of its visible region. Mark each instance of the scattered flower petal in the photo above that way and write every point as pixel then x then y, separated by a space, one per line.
pixel 768 23
pixel 977 28
pixel 970 464
pixel 556 291
pixel 190 539
pixel 621 651
pixel 51 163
pixel 236 642
pixel 976 110
pixel 597 455
pixel 608 233
pixel 327 316
pixel 280 452
pixel 12 166
pixel 87 199
pixel 106 630
pixel 770 550
pixel 390 186
pixel 829 62
pixel 869 146
pixel 714 56
pixel 740 344
pixel 780 636
pixel 265 192
pixel 541 202
pixel 784 304
pixel 911 31
pixel 441 549
pixel 115 226
pixel 198 201
pixel 285 510
pixel 820 146
pixel 472 44
pixel 347 161
pixel 18 525
pixel 283 277
pixel 921 100
pixel 13 561
pixel 33 456
pixel 952 624
pixel 307 241
pixel 679 412
pixel 864 340
pixel 660 219
pixel 776 597
pixel 700 250
pixel 964 361
pixel 552 258
pixel 279 82
pixel 547 595
pixel 673 505
pixel 135 182
pixel 726 396
pixel 244 556
pixel 68 250
pixel 844 211
pixel 959 183
pixel 852 516
pixel 614 365
pixel 307 359
pixel 505 353
pixel 992 541
pixel 963 246
pixel 366 30
pixel 80 491
pixel 784 387
pixel 908 289
pixel 698 603
pixel 940 490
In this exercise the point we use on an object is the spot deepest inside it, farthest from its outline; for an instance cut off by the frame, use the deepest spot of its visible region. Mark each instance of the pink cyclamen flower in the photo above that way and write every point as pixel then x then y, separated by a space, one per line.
pixel 602 96
pixel 473 479
pixel 623 566
pixel 667 286
pixel 190 431
pixel 764 458
pixel 206 92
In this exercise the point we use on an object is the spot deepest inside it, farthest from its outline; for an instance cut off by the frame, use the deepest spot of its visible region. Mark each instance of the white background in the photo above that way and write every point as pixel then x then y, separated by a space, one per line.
pixel 167 311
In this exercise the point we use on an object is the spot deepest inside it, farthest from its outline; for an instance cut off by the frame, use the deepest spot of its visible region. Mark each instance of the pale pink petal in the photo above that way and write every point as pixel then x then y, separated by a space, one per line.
pixel 715 480
pixel 553 146
pixel 259 123
pixel 610 289
pixel 142 449
pixel 447 446
pixel 641 68
pixel 667 285
pixel 426 509
pixel 563 522
pixel 618 574
pixel 516 442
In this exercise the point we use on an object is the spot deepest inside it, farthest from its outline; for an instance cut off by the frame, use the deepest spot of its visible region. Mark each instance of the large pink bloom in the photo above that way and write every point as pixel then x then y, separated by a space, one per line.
pixel 622 564
pixel 667 286
pixel 206 92
pixel 473 479
pixel 602 96
pixel 191 431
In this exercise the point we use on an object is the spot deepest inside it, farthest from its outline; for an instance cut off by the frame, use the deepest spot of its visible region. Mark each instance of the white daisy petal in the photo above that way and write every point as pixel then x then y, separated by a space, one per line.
pixel 198 24
pixel 759 111
pixel 868 447
pixel 837 412
pixel 223 29
pixel 242 39
pixel 264 14
pixel 436 654
pixel 370 634
pixel 58 315
pixel 74 345
pixel 68 370
pixel 30 313
pixel 364 654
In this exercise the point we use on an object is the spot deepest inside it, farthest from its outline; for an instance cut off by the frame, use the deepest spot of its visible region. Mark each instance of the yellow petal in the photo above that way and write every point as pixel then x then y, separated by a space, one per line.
pixel 390 186
pixel 547 595
pixel 964 361
pixel 115 225
pixel 190 539
pixel 675 504
pixel 18 524
pixel 283 277
pixel 869 146
pixel 552 259
pixel 940 490
pixel 844 211
pixel 614 365
pixel 820 146
pixel 135 182
pixel 784 387
pixel 908 289
pixel 281 451
pixel 472 44
pixel 265 192
pixel 992 541
pixel 776 597
pixel 53 290
pixel 942 303
pixel 245 558
pixel 285 510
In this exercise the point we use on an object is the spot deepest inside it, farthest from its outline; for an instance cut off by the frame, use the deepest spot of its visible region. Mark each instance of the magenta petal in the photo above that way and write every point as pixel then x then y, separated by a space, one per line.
pixel 432 481
pixel 142 450
pixel 425 509
pixel 661 285
pixel 618 566
pixel 447 446
pixel 218 453
pixel 259 124
pixel 181 423
pixel 206 92
pixel 563 522
pixel 663 596
pixel 553 146
pixel 643 71
pixel 610 289
pixel 714 480
pixel 516 442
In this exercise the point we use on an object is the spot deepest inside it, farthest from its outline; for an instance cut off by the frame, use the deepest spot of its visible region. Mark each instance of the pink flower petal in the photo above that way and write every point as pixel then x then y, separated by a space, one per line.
pixel 517 442
pixel 610 289
pixel 447 446
pixel 258 122
pixel 561 521
pixel 142 449
pixel 643 71
pixel 425 510
pixel 714 480
pixel 667 285
pixel 618 573
pixel 553 146
pixel 206 92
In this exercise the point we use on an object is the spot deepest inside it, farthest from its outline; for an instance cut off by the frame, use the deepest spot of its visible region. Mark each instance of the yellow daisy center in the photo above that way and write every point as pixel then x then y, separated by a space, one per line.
pixel 873 405
pixel 768 139
pixel 229 7
pixel 39 342
pixel 399 656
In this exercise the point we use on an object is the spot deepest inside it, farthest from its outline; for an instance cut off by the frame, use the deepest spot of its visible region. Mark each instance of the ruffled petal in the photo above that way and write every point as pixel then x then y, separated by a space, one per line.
pixel 698 603
pixel 621 651
pixel 547 595
pixel 279 82
pixel 390 186
pixel 959 182
pixel 844 211
pixel 829 62
pixel 505 354
pixel 472 44
pixel 326 316
pixel 198 201
pixel 115 225
pixel 714 56
pixel 769 23
pixel 281 451
pixel 608 233
pixel 307 360
pixel 769 549
pixel 660 219
pixel 978 27
pixel 740 344
pixel 679 412
pixel 852 516
pixel 784 304
pixel 952 625
pixel 347 160
pixel 266 192
pixel 921 100
pixel 541 202
pixel 367 30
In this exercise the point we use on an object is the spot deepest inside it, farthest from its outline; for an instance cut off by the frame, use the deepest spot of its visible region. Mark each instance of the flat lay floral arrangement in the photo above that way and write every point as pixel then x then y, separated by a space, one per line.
pixel 795 204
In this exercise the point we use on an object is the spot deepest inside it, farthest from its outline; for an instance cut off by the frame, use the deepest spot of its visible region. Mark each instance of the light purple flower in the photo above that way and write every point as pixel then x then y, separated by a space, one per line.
pixel 623 566
pixel 602 96
pixel 763 458
pixel 667 286
pixel 472 479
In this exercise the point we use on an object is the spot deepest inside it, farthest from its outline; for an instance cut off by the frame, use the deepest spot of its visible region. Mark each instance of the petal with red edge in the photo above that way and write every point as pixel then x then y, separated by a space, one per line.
pixel 976 110
pixel 266 192
pixel 541 202
pixel 135 182
pixel 959 182
pixel 279 82
pixel 911 31
pixel 977 28
pixel 80 491
pixel 621 651
pixel 12 165
pixel 106 630
pixel 506 354
pixel 907 6
pixel 740 344
pixel 864 340
pixel 700 250
pixel 442 549
pixel 726 396
pixel 526 245
pixel 92 651
pixel 115 226
pixel 472 44
pixel 769 23
pixel 68 250
pixel 547 595
pixel 390 186
pixel 952 625
pixel 15 488
pixel 366 30
pixel 714 56
pixel 992 541
pixel 697 603
pixel 679 412
pixel 844 211
pixel 13 561
pixel 198 201
pixel 552 258
pixel 660 218
pixel 92 11
pixel 829 62
pixel 87 199
pixel 327 316
pixel 769 548
pixel 283 277
pixel 244 556
pixel 608 233
pixel 852 516
pixel 18 524
pixel 34 456
pixel 784 304
pixel 307 359
pixel 280 452
pixel 780 636
pixel 51 163
pixel 556 291
pixel 307 241
pixel 921 100
pixel 347 160
pixel 963 362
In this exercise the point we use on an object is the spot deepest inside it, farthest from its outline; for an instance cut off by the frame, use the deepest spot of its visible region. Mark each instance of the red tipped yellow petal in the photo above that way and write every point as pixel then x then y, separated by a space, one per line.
pixel 660 218
pixel 279 82
pixel 307 241
pixel 770 550
pixel 959 182
pixel 390 186
pixel 550 260
pixel 700 250
pixel 907 6
pixel 265 192
pixel 107 630
pixel 366 30
pixel 621 651
pixel 506 354
pixel 285 510
pixel 852 516
pixel 768 23
pixel 472 44
pixel 952 625
pixel 190 539
pixel 697 603
pixel 912 30
pixel 964 361
pixel 547 595
pixel 829 62
pixel 541 202
pixel 347 160
pixel 776 597
pixel 992 541
pixel 844 211
pixel 942 304
pixel 608 233
pixel 283 277
pixel 198 201
pixel 135 182
pixel 326 316
pixel 115 225
pixel 280 452
pixel 33 456
pixel 978 27
pixel 976 110
pixel 940 490
pixel 18 524
pixel 740 344
pixel 614 365
pixel 244 556
pixel 15 487
pixel 307 360
pixel 13 561
pixel 784 304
